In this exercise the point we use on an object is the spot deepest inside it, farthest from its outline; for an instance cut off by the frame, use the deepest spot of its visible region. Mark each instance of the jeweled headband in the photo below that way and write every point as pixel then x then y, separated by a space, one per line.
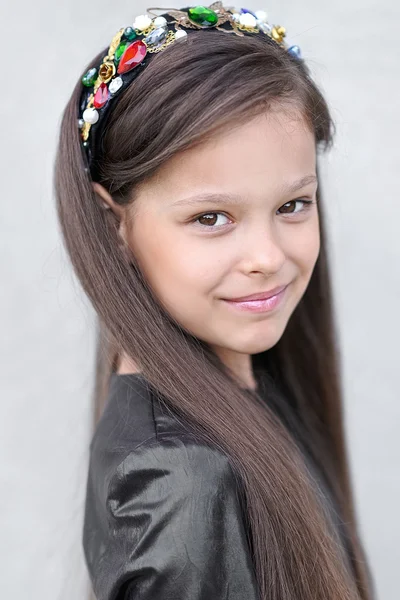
pixel 132 47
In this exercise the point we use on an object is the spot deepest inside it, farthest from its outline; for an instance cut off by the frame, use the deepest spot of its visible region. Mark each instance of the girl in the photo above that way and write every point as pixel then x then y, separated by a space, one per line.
pixel 190 203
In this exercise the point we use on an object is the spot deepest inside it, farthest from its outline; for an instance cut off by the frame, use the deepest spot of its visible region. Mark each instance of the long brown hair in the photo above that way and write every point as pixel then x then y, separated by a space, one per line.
pixel 185 95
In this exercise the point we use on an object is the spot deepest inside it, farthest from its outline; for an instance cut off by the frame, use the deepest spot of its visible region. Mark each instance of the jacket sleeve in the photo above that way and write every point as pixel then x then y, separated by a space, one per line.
pixel 171 527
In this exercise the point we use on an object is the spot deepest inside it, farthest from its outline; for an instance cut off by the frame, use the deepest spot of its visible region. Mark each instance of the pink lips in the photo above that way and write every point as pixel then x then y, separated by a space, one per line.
pixel 260 295
pixel 261 302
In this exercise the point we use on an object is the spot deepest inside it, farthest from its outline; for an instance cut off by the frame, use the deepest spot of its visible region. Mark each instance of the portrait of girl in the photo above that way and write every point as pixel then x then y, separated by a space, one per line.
pixel 191 203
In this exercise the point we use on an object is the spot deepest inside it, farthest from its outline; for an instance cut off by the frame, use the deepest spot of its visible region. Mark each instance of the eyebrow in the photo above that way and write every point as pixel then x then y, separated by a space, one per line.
pixel 286 188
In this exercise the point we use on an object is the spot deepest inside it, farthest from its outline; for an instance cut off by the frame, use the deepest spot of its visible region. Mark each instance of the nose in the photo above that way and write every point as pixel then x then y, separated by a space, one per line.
pixel 261 250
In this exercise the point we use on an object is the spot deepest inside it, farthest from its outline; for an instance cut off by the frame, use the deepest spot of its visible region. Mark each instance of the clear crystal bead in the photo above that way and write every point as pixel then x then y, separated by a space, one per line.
pixel 115 85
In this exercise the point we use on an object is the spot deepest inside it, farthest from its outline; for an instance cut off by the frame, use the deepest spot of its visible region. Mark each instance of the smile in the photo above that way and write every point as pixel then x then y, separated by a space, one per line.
pixel 258 306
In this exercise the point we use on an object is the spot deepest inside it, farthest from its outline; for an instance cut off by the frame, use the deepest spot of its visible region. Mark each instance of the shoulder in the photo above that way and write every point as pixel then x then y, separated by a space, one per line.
pixel 172 464
pixel 135 434
pixel 163 512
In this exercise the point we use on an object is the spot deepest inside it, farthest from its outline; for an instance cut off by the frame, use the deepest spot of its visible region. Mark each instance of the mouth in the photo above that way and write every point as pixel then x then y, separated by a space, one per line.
pixel 260 295
pixel 262 302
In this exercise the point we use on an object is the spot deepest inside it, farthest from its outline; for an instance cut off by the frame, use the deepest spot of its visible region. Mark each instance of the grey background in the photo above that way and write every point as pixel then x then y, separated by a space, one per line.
pixel 47 340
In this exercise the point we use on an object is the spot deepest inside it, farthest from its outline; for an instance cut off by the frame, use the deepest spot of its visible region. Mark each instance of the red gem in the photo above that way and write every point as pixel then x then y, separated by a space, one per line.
pixel 133 55
pixel 101 96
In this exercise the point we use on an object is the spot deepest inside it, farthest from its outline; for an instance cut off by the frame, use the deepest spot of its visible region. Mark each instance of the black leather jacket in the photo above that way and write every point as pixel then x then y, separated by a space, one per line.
pixel 163 514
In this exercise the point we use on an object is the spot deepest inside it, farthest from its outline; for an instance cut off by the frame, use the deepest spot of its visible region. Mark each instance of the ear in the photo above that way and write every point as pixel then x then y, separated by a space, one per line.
pixel 106 200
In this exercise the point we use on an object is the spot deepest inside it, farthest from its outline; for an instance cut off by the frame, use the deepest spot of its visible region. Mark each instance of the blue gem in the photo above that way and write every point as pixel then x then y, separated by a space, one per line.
pixel 246 10
pixel 295 51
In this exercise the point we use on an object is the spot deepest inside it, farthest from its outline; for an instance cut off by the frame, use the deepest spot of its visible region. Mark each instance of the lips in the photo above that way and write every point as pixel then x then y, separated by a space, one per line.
pixel 260 295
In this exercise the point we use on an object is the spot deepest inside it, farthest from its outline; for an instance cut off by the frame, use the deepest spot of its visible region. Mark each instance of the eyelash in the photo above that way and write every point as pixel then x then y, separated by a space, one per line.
pixel 307 206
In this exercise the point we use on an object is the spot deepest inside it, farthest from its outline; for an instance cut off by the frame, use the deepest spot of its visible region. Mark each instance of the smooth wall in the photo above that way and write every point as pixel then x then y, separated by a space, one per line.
pixel 47 338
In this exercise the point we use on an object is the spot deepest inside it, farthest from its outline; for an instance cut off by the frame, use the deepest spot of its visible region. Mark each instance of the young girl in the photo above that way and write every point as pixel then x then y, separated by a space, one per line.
pixel 190 203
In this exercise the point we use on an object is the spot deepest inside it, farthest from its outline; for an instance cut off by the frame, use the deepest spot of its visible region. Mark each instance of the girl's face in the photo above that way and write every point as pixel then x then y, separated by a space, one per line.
pixel 227 219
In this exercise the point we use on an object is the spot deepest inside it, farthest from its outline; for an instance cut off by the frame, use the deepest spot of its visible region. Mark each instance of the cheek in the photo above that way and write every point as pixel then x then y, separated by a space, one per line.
pixel 303 246
pixel 179 272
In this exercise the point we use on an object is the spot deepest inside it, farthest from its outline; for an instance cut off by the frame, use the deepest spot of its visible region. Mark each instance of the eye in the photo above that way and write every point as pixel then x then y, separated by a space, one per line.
pixel 306 206
pixel 209 220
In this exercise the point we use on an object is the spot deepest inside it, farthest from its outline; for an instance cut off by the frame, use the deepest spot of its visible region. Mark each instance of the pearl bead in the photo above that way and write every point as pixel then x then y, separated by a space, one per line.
pixel 142 22
pixel 247 20
pixel 261 15
pixel 160 22
pixel 180 34
pixel 90 115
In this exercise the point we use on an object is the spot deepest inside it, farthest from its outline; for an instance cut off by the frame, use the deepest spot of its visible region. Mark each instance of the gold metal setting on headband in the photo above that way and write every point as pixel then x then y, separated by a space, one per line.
pixel 151 34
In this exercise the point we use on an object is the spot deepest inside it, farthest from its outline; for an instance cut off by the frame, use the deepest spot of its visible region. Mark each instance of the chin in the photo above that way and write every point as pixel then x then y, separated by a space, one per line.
pixel 256 344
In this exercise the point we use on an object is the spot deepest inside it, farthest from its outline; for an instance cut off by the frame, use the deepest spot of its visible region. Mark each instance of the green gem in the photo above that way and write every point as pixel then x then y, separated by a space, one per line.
pixel 120 50
pixel 129 33
pixel 203 16
pixel 90 77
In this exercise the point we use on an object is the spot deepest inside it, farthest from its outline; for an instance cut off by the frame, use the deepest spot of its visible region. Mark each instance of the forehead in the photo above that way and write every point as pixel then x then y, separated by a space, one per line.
pixel 267 151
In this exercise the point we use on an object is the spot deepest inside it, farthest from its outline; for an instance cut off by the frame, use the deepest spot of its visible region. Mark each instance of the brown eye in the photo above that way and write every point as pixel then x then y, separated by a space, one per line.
pixel 209 220
pixel 289 207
